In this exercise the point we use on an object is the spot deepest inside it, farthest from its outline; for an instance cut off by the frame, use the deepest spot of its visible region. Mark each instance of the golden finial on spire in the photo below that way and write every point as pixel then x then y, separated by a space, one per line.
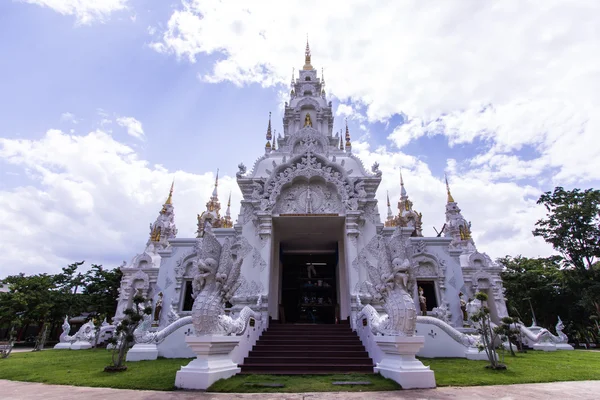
pixel 269 135
pixel 170 198
pixel 348 144
pixel 450 198
pixel 307 65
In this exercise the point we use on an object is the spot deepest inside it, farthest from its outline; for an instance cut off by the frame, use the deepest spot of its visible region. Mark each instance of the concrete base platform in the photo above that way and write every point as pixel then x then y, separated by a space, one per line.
pixel 212 363
pixel 141 352
pixel 81 345
pixel 399 362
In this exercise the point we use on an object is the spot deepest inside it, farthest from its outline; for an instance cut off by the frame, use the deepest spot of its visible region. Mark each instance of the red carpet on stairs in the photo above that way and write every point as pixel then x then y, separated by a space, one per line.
pixel 307 349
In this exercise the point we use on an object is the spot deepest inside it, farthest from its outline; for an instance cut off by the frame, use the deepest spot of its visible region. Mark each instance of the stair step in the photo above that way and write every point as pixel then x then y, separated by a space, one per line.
pixel 287 360
pixel 308 347
pixel 307 368
pixel 274 336
pixel 267 352
pixel 309 333
pixel 305 372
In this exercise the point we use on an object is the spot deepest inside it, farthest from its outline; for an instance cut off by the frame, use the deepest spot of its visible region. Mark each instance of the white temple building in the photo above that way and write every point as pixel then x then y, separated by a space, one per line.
pixel 309 236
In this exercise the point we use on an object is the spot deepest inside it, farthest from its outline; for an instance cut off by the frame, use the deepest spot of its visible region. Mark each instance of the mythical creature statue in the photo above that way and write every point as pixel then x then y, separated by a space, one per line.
pixel 215 282
pixel 173 315
pixel 66 328
pixel 86 333
pixel 388 284
pixel 562 337
pixel 241 170
pixel 359 188
pixel 441 313
pixel 142 333
pixel 236 326
pixel 375 169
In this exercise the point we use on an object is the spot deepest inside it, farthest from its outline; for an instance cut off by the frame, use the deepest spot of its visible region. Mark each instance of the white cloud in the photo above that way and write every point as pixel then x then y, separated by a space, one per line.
pixel 90 197
pixel 133 126
pixel 68 117
pixel 509 73
pixel 86 11
pixel 503 214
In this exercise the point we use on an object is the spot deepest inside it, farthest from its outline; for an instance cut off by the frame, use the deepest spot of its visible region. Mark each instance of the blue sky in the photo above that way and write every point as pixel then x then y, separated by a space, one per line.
pixel 103 103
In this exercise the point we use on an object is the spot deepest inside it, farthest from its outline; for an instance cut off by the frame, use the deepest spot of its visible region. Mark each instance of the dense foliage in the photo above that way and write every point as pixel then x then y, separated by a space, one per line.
pixel 567 285
pixel 44 298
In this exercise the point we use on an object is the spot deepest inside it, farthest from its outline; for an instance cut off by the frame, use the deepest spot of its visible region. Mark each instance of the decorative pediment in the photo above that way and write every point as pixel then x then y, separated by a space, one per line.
pixel 307 165
pixel 143 260
pixel 308 139
pixel 140 280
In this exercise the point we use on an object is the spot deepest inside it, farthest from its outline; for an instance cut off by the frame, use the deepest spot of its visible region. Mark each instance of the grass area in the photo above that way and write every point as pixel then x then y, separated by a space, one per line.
pixel 85 368
pixel 530 367
pixel 302 383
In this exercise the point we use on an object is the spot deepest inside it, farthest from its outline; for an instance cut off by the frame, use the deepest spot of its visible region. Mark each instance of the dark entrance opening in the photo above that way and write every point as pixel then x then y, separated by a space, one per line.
pixel 309 287
pixel 429 293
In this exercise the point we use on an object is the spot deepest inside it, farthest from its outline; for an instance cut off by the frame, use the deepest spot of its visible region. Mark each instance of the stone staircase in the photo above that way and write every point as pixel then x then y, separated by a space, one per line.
pixel 288 349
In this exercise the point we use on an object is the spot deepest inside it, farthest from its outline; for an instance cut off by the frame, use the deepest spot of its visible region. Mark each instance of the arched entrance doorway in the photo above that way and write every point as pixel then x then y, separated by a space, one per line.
pixel 309 272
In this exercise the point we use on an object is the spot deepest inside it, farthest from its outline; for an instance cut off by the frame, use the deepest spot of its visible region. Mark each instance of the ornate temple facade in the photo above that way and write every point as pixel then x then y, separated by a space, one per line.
pixel 309 233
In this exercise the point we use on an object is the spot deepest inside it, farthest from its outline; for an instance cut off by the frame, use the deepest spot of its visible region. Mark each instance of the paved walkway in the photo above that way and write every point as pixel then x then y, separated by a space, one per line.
pixel 571 390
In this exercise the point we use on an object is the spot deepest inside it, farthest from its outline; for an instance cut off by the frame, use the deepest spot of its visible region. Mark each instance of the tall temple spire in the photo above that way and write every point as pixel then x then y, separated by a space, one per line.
pixel 307 64
pixel 407 216
pixel 457 227
pixel 164 226
pixel 390 214
pixel 227 223
pixel 170 198
pixel 348 144
pixel 269 135
pixel 402 189
pixel 214 193
pixel 341 142
pixel 450 198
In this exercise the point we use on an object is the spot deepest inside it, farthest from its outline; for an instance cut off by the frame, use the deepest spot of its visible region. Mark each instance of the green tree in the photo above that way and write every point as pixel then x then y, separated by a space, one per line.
pixel 572 225
pixel 102 290
pixel 536 283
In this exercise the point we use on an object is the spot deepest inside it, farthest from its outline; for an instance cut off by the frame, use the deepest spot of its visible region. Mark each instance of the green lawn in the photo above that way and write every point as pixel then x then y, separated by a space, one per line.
pixel 85 368
pixel 530 367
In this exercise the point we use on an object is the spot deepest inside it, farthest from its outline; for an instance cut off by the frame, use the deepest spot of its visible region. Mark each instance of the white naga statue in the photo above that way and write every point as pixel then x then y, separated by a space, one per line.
pixel 215 282
pixel 388 284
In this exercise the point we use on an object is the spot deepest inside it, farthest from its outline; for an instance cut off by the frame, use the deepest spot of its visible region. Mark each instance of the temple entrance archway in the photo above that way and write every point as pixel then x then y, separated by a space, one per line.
pixel 309 281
